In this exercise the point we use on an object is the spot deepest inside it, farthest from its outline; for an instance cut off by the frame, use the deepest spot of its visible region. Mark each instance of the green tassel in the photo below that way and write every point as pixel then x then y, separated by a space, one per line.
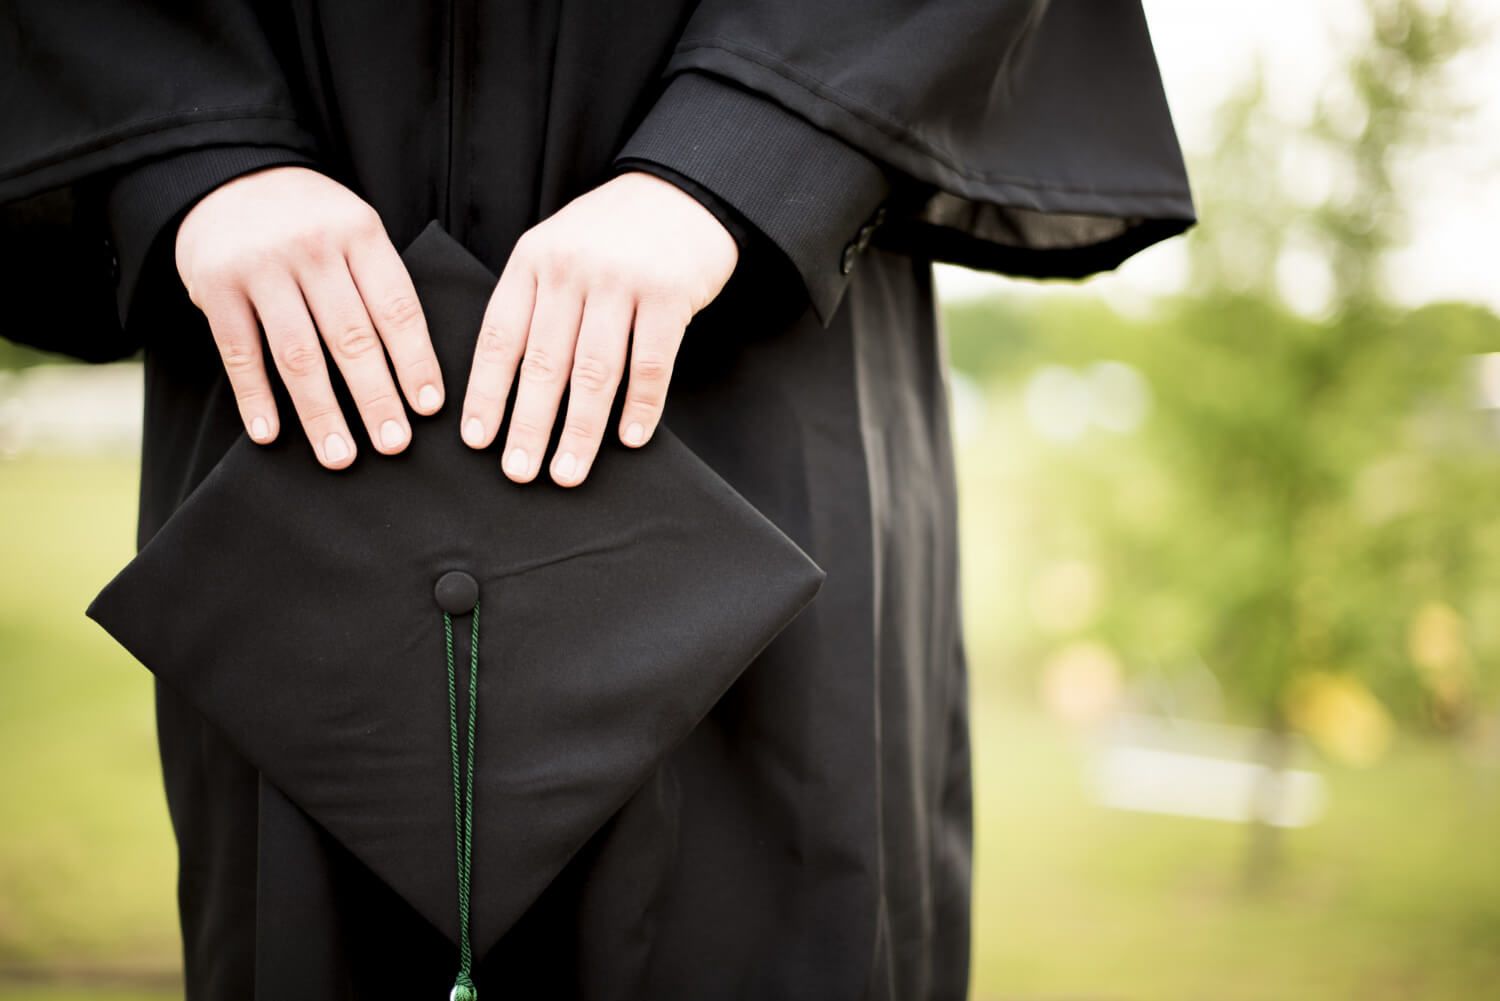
pixel 463 798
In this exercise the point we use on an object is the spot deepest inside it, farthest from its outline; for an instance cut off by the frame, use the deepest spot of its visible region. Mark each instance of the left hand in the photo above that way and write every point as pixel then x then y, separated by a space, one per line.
pixel 635 255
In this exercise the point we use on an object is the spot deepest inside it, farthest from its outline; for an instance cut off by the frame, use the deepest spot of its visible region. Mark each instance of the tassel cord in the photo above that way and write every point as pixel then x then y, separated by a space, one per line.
pixel 463 797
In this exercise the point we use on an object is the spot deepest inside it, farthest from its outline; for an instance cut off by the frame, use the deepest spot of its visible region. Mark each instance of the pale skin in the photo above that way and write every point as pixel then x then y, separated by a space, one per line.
pixel 623 267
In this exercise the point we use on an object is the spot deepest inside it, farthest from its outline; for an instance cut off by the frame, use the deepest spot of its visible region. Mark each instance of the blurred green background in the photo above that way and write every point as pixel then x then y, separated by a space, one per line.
pixel 1232 598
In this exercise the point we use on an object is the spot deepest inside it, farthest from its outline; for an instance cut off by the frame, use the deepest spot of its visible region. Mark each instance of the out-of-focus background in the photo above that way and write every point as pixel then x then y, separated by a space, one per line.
pixel 1231 557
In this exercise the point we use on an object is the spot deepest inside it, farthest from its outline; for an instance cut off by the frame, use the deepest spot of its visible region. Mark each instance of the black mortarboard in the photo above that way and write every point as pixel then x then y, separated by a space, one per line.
pixel 302 612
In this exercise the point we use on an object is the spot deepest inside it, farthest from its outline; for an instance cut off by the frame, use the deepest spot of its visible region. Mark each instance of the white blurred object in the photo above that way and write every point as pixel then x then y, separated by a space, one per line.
pixel 1119 396
pixel 1155 765
pixel 1057 403
pixel 1487 379
pixel 1062 403
pixel 71 409
pixel 970 410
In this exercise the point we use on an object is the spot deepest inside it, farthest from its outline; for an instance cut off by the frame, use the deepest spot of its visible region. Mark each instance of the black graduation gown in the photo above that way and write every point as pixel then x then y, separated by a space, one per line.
pixel 812 836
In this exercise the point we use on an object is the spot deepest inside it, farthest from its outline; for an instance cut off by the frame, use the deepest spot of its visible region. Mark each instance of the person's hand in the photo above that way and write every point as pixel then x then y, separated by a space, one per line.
pixel 636 254
pixel 306 257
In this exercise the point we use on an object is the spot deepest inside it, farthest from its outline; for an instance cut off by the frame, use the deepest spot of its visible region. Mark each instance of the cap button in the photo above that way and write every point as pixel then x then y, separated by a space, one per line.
pixel 456 592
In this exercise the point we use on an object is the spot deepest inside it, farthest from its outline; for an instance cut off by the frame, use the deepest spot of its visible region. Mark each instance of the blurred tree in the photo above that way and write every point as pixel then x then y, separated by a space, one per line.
pixel 1307 511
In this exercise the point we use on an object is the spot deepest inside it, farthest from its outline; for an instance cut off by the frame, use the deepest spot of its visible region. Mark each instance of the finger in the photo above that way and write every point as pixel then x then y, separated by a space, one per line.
pixel 497 352
pixel 299 358
pixel 232 321
pixel 653 351
pixel 541 378
pixel 598 364
pixel 348 331
pixel 391 301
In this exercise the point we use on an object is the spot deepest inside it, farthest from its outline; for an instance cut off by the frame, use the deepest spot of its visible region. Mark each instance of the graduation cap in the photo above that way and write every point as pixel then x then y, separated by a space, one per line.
pixel 388 642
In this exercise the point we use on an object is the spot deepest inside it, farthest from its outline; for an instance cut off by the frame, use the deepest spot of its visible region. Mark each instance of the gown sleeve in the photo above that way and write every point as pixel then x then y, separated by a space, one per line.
pixel 65 146
pixel 1024 137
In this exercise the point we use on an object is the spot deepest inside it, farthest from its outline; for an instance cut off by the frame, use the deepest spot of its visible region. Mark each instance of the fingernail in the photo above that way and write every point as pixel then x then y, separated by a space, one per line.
pixel 567 463
pixel 335 449
pixel 260 429
pixel 392 434
pixel 474 432
pixel 428 397
pixel 635 434
pixel 516 463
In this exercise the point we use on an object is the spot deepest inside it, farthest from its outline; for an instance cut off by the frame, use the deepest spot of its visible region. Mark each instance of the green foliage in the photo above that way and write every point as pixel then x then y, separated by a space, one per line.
pixel 17 356
pixel 1301 492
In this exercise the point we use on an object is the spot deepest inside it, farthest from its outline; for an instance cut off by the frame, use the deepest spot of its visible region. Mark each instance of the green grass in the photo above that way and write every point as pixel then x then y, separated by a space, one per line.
pixel 79 994
pixel 1394 895
pixel 86 863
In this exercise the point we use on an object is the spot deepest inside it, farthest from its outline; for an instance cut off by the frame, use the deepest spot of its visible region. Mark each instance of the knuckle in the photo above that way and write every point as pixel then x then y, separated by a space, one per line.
pixel 321 414
pixel 485 393
pixel 364 222
pixel 592 374
pixel 651 367
pixel 643 407
pixel 380 401
pixel 245 266
pixel 214 276
pixel 239 359
pixel 355 339
pixel 612 276
pixel 524 426
pixel 580 428
pixel 401 310
pixel 299 358
pixel 678 313
pixel 665 298
pixel 538 366
pixel 557 266
pixel 496 345
pixel 312 244
pixel 418 370
pixel 526 251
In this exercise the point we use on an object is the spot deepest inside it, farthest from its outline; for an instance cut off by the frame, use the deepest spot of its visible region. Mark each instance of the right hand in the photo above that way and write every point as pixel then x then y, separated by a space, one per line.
pixel 304 256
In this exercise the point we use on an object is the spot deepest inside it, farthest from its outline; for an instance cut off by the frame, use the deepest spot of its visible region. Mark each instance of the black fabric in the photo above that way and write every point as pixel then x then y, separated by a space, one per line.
pixel 1041 125
pixel 96 84
pixel 57 276
pixel 1028 165
pixel 612 616
pixel 93 86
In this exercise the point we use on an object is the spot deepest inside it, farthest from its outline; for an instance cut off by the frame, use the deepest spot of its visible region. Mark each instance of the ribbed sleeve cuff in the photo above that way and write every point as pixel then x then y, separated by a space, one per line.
pixel 145 203
pixel 815 197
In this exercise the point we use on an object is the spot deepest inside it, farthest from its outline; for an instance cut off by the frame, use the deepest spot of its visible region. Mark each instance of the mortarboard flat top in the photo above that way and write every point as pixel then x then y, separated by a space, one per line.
pixel 298 610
